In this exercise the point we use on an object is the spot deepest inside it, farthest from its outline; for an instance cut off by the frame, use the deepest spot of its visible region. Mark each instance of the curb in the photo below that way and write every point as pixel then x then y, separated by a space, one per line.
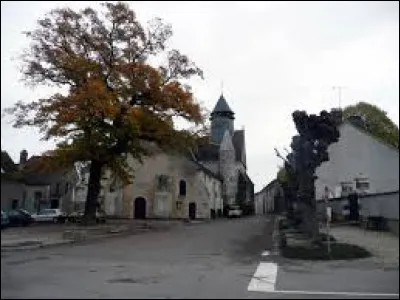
pixel 81 241
pixel 275 237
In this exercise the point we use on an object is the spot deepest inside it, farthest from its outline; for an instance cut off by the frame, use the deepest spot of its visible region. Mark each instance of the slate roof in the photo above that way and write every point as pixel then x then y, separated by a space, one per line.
pixel 34 175
pixel 7 164
pixel 208 152
pixel 206 170
pixel 222 106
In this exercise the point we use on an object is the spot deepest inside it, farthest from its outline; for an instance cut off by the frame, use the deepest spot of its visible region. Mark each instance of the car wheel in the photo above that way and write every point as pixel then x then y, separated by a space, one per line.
pixel 55 220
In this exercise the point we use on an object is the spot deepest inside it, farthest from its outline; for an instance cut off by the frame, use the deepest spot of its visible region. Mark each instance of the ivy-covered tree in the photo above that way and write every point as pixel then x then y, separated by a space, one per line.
pixel 111 97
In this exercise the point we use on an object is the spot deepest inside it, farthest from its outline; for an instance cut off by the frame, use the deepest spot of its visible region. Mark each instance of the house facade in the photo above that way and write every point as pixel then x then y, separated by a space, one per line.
pixel 33 190
pixel 358 162
pixel 269 199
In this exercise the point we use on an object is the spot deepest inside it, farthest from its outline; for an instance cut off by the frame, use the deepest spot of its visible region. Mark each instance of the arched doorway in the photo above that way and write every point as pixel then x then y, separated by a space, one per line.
pixel 192 210
pixel 140 208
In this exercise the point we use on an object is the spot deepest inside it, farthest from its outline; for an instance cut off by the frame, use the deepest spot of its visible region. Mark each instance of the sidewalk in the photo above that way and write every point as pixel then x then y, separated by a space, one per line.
pixel 383 245
pixel 33 237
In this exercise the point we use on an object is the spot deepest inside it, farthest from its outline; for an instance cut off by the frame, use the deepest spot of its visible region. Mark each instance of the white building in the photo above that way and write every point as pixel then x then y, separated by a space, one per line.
pixel 358 162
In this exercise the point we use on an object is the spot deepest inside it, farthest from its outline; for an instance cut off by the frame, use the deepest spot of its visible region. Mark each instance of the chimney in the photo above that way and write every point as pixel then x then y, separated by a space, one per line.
pixel 23 157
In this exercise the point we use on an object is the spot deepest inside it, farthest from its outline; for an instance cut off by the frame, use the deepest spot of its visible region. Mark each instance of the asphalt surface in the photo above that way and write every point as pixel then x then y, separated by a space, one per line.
pixel 208 260
pixel 205 260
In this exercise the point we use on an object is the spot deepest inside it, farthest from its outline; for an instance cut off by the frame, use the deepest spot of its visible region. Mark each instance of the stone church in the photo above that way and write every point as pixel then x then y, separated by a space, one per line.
pixel 226 155
pixel 197 186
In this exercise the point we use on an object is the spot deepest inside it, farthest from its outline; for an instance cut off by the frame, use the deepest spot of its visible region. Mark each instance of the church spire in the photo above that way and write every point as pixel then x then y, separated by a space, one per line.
pixel 221 118
pixel 222 106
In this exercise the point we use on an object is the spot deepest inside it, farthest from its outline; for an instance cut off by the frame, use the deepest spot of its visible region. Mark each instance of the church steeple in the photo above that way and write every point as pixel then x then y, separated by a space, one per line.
pixel 222 107
pixel 221 118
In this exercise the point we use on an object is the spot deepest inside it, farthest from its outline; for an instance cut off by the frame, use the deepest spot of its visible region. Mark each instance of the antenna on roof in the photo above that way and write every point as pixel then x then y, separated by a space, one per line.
pixel 222 87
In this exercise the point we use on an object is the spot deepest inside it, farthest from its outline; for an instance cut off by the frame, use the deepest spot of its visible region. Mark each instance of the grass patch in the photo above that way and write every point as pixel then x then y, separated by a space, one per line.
pixel 339 251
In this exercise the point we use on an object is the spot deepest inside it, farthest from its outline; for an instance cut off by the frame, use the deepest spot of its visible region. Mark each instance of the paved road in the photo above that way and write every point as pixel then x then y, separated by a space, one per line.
pixel 205 260
pixel 209 260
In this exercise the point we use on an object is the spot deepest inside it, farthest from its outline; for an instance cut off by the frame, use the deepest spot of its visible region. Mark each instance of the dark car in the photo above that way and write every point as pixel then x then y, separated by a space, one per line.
pixel 19 217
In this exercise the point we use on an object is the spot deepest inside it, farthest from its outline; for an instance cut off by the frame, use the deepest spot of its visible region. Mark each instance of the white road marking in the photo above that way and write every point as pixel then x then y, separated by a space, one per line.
pixel 264 278
pixel 265 253
pixel 335 293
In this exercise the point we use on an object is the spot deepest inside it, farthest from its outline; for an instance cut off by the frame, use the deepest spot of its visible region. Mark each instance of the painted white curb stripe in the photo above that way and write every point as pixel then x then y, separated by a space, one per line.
pixel 264 278
pixel 361 294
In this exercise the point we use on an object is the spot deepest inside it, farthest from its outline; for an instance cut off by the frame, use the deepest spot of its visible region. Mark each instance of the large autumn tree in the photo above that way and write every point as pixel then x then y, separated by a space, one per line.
pixel 111 97
pixel 377 121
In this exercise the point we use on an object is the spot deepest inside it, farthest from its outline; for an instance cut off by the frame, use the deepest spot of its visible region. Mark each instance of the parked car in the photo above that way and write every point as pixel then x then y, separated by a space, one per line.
pixel 234 211
pixel 77 216
pixel 50 215
pixel 19 217
pixel 4 220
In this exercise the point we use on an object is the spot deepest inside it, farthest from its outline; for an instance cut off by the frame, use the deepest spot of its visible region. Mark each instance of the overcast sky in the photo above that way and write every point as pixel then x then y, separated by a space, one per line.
pixel 273 57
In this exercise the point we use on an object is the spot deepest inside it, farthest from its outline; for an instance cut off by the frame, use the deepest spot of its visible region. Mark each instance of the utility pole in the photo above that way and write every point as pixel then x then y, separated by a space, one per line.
pixel 339 88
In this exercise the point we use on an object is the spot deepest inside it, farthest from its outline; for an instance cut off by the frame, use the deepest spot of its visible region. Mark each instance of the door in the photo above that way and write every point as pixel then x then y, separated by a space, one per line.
pixel 140 208
pixel 192 210
pixel 353 207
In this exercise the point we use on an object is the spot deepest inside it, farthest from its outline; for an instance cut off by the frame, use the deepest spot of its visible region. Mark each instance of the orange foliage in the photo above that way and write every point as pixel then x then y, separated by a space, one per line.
pixel 115 97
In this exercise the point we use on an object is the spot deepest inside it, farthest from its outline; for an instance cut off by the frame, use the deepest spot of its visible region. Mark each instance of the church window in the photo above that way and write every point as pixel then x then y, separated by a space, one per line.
pixel 162 183
pixel 182 188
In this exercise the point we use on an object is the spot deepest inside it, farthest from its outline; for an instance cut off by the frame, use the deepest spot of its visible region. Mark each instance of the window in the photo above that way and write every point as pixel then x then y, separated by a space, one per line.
pixel 182 188
pixel 362 185
pixel 14 204
pixel 162 183
pixel 66 188
pixel 55 203
pixel 347 188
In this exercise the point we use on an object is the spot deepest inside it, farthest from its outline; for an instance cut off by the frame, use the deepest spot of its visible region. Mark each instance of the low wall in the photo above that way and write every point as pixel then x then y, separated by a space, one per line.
pixel 373 205
pixel 393 226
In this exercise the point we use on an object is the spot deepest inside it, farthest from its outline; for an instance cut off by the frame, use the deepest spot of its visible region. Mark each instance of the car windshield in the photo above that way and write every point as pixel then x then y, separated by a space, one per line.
pixel 46 212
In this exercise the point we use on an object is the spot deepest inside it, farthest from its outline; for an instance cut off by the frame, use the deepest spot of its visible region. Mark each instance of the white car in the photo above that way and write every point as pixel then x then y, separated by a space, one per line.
pixel 234 211
pixel 50 215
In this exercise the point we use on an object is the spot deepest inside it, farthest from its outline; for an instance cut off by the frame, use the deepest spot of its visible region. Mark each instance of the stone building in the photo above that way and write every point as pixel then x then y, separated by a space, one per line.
pixel 226 155
pixel 173 185
pixel 269 199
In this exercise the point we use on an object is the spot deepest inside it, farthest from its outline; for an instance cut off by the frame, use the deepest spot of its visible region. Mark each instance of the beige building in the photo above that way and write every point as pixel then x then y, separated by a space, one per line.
pixel 168 186
pixel 165 185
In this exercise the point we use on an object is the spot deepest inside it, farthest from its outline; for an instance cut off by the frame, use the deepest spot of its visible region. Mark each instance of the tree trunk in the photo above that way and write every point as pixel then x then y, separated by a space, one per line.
pixel 93 192
pixel 309 222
